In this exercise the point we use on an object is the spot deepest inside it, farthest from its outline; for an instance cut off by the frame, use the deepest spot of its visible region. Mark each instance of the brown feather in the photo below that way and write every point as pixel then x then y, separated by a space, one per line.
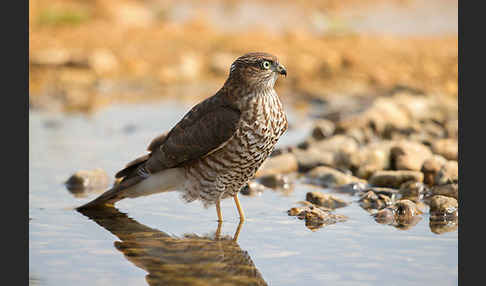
pixel 132 166
pixel 157 141
pixel 203 130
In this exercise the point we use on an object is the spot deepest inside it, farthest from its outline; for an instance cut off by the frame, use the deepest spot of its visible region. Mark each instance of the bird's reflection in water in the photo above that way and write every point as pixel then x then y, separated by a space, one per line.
pixel 169 260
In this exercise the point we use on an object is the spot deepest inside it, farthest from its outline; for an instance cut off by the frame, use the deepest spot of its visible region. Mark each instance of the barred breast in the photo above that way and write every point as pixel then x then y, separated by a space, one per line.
pixel 225 171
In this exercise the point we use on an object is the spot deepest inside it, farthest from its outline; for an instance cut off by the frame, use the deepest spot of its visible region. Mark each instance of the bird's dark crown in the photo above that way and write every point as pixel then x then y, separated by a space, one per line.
pixel 253 60
pixel 255 70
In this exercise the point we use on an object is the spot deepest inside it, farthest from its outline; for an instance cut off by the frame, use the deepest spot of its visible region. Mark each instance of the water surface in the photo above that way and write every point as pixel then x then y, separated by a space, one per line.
pixel 156 239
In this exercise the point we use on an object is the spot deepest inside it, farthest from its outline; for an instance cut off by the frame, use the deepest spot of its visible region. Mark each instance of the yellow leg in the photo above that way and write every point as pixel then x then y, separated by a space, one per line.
pixel 218 210
pixel 240 211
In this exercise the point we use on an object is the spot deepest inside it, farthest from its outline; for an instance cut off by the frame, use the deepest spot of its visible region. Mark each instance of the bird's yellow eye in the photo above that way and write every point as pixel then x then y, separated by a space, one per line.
pixel 266 65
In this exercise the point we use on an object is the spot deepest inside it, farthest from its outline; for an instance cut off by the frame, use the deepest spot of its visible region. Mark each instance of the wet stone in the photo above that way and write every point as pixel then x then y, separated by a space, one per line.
pixel 342 147
pixel 362 135
pixel 384 113
pixel 372 200
pixel 311 158
pixel 384 191
pixel 448 190
pixel 329 177
pixel 408 155
pixel 402 214
pixel 412 190
pixel 314 217
pixel 374 157
pixel 406 209
pixel 87 180
pixel 337 143
pixel 394 179
pixel 351 189
pixel 325 200
pixel 275 181
pixel 323 128
pixel 442 207
pixel 448 173
pixel 431 167
pixel 446 147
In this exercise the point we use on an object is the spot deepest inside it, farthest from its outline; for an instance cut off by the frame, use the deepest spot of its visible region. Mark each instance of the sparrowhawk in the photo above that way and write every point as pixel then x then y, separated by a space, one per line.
pixel 212 152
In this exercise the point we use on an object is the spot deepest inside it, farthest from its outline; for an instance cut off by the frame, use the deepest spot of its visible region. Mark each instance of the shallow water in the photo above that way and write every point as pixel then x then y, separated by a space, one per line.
pixel 159 240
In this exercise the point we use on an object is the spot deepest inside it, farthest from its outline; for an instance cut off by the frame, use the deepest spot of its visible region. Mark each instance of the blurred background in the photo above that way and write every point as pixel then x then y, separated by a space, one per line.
pixel 85 54
pixel 371 99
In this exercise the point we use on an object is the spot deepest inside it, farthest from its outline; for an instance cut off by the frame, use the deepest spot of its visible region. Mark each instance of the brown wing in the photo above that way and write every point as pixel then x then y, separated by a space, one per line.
pixel 203 130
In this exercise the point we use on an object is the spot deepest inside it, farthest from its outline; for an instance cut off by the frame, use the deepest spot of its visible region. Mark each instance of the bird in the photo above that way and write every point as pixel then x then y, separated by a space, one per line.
pixel 217 147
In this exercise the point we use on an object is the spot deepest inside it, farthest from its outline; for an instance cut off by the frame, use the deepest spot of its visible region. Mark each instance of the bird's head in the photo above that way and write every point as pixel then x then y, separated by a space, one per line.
pixel 257 70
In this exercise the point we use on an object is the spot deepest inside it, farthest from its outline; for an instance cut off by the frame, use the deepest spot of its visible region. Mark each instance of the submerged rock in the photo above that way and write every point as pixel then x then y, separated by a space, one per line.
pixel 315 217
pixel 372 200
pixel 325 200
pixel 442 206
pixel 403 214
pixel 394 179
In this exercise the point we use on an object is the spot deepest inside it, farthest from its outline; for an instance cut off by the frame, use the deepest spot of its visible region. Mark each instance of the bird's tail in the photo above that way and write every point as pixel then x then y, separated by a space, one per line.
pixel 138 186
pixel 111 196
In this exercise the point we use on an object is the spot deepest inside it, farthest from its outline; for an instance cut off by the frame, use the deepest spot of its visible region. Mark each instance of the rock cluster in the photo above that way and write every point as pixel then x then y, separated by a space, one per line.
pixel 401 148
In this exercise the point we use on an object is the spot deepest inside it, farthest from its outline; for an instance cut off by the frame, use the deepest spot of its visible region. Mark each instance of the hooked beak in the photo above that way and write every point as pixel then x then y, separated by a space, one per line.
pixel 281 70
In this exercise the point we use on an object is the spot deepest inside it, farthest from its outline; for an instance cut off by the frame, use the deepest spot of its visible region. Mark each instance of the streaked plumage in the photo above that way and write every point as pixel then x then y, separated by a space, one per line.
pixel 218 145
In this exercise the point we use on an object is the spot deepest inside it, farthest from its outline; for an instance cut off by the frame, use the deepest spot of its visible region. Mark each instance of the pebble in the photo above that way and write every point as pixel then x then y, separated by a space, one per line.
pixel 329 177
pixel 448 190
pixel 431 167
pixel 409 155
pixel 311 158
pixel 372 200
pixel 314 217
pixel 442 206
pixel 275 181
pixel 281 164
pixel 446 147
pixel 323 129
pixel 87 180
pixel 448 173
pixel 394 179
pixel 325 200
